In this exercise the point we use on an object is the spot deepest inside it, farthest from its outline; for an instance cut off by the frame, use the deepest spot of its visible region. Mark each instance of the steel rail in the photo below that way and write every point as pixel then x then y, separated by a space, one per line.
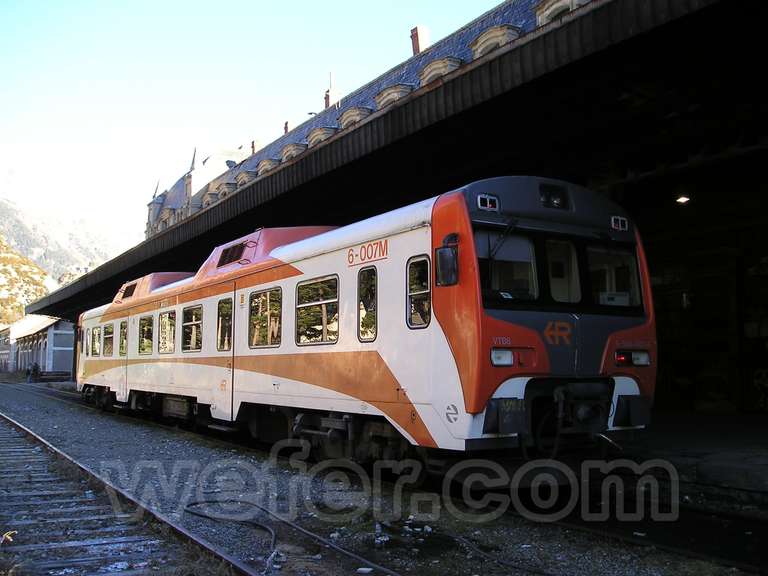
pixel 236 565
pixel 565 523
pixel 50 393
pixel 54 393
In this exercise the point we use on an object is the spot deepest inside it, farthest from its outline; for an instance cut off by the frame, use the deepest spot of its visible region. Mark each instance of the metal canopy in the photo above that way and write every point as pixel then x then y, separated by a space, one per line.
pixel 430 141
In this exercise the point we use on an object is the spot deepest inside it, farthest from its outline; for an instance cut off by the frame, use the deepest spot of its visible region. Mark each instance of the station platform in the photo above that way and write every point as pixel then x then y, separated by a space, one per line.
pixel 714 453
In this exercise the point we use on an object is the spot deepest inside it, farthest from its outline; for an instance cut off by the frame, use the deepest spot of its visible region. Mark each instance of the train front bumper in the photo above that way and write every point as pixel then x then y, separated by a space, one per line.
pixel 590 407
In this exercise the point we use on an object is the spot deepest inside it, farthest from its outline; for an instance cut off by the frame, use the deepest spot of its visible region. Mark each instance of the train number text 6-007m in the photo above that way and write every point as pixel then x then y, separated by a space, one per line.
pixel 368 252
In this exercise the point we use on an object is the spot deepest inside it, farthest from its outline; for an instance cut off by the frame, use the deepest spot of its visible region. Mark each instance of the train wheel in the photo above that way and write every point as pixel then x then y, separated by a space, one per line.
pixel 104 399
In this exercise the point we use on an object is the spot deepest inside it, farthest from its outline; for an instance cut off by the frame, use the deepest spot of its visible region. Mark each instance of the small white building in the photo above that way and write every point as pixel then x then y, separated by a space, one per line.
pixel 46 340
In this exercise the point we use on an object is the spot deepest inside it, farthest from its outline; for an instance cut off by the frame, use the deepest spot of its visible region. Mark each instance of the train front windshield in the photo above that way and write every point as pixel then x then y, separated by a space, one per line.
pixel 541 271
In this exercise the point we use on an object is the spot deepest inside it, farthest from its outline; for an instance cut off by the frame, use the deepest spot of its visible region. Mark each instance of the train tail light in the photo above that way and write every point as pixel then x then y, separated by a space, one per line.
pixel 632 358
pixel 502 357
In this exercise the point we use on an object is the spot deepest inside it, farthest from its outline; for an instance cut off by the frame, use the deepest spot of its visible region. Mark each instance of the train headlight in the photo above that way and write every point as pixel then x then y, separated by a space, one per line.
pixel 502 357
pixel 633 358
pixel 554 196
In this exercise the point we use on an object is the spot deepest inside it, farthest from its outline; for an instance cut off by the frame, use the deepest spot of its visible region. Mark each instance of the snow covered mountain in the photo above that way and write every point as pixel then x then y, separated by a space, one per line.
pixel 63 250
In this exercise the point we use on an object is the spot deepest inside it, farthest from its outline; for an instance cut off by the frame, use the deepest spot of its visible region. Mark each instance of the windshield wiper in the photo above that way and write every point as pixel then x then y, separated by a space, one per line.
pixel 496 246
pixel 501 239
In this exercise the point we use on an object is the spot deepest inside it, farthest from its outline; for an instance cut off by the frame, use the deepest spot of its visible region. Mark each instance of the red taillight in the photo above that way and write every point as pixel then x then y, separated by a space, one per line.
pixel 623 359
pixel 632 358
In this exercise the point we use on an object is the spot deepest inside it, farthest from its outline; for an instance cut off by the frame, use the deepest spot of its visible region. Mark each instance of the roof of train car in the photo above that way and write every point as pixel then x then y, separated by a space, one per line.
pixel 586 213
pixel 271 247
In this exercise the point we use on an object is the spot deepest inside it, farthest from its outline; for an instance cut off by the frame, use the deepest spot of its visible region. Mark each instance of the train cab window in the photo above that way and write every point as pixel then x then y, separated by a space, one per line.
pixel 224 325
pixel 264 324
pixel 87 346
pixel 109 339
pixel 146 327
pixel 507 265
pixel 613 276
pixel 192 329
pixel 96 342
pixel 367 320
pixel 166 342
pixel 122 347
pixel 419 310
pixel 563 271
pixel 317 311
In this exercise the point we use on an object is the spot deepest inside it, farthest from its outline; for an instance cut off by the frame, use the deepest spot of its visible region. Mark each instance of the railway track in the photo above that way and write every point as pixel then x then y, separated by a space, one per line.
pixel 227 565
pixel 57 517
pixel 725 539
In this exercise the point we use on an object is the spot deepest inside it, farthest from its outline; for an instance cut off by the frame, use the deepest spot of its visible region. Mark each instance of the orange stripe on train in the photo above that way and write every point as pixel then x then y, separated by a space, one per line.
pixel 337 371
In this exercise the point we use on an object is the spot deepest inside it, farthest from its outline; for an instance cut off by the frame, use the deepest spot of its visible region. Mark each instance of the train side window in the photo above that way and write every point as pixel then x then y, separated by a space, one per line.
pixel 265 318
pixel 87 346
pixel 419 310
pixel 367 301
pixel 192 329
pixel 563 271
pixel 96 342
pixel 166 342
pixel 146 327
pixel 317 311
pixel 109 339
pixel 122 347
pixel 224 325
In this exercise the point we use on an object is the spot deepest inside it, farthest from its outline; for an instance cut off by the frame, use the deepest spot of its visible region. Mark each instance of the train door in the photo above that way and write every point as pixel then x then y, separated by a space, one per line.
pixel 121 352
pixel 223 352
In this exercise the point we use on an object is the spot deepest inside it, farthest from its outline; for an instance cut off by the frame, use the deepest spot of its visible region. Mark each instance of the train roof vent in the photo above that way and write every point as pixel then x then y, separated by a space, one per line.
pixel 129 290
pixel 231 254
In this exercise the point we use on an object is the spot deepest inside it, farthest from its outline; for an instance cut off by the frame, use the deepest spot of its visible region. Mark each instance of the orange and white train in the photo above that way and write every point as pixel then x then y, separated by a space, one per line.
pixel 514 311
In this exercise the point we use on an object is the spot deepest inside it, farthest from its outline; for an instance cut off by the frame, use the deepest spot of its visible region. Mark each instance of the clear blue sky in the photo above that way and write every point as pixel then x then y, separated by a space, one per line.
pixel 100 99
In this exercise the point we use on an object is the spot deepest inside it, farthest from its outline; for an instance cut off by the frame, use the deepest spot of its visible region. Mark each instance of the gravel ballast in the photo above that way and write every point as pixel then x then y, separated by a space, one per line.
pixel 168 468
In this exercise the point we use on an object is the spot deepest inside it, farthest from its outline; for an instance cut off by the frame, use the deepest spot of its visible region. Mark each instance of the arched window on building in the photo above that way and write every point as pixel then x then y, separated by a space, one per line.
pixel 266 165
pixel 392 94
pixel 224 189
pixel 550 10
pixel 244 177
pixel 317 135
pixel 353 116
pixel 438 68
pixel 292 150
pixel 492 38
